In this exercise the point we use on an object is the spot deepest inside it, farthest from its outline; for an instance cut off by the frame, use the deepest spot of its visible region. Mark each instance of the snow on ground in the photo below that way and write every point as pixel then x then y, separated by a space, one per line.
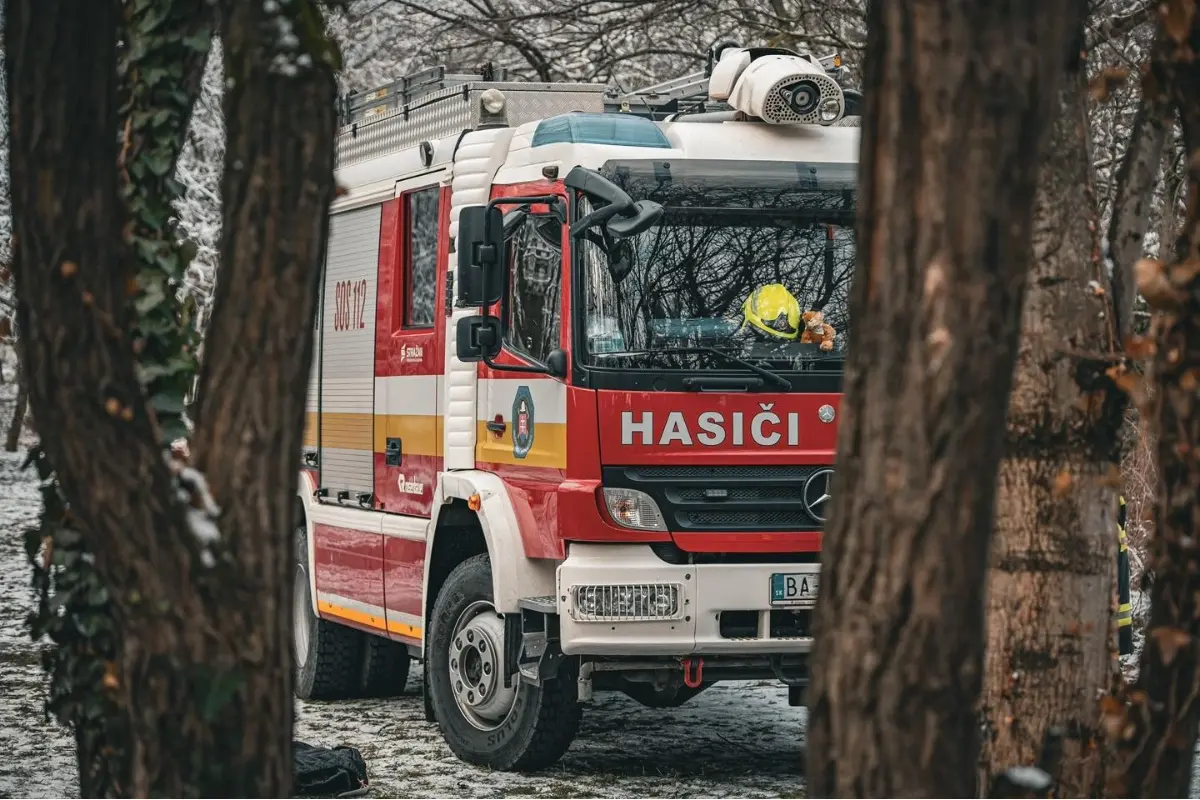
pixel 738 740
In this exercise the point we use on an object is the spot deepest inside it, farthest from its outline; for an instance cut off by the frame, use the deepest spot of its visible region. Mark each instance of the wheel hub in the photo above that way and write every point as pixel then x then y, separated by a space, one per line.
pixel 476 667
pixel 301 603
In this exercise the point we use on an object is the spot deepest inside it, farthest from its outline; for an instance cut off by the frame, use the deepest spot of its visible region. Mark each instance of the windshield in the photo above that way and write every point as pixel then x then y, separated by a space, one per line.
pixel 729 228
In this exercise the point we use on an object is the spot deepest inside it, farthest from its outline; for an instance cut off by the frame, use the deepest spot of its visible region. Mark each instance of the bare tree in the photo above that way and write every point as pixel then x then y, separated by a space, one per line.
pixel 944 229
pixel 207 686
pixel 1049 597
pixel 1155 723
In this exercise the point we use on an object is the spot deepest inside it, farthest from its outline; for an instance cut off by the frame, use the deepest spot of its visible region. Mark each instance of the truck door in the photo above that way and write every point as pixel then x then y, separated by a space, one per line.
pixel 522 434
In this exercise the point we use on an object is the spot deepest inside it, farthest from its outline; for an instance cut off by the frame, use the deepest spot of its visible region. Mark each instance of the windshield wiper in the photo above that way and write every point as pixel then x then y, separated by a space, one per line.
pixel 768 375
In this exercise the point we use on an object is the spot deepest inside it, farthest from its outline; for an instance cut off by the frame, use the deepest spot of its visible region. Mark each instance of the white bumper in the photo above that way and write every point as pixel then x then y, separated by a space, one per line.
pixel 707 589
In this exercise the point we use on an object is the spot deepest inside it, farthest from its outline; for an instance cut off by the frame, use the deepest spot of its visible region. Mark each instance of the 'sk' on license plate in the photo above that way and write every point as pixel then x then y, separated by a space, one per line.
pixel 794 588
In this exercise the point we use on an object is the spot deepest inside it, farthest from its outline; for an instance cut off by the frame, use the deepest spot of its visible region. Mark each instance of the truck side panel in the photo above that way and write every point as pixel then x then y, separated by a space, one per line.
pixel 349 564
pixel 348 353
pixel 347 542
pixel 408 352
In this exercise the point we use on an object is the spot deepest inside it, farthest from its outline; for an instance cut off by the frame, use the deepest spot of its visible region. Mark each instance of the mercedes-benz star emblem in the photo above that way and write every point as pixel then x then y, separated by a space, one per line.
pixel 825 413
pixel 816 493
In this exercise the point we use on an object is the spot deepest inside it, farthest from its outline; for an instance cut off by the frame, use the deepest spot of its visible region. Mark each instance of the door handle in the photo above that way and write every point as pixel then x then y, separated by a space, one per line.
pixel 391 455
pixel 498 425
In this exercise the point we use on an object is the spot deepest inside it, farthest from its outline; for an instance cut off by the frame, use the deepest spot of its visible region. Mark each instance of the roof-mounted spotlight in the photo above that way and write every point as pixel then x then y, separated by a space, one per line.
pixel 493 109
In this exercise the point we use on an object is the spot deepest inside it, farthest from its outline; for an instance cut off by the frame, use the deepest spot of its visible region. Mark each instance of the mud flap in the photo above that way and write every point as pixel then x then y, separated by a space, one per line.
pixel 531 646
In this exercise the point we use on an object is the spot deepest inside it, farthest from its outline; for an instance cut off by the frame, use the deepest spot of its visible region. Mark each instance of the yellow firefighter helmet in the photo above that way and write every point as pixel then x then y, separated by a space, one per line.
pixel 773 311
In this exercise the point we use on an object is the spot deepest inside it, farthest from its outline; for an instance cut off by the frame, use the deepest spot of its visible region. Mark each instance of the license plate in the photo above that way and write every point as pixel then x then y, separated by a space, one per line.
pixel 794 588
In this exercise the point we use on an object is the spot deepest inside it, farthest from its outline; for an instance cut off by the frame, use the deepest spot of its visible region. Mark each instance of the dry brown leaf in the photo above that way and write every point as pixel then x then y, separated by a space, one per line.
pixel 340 191
pixel 69 268
pixel 1112 716
pixel 110 681
pixel 1101 87
pixel 1063 482
pixel 127 414
pixel 1140 347
pixel 1153 285
pixel 1170 641
pixel 1130 383
pixel 112 406
pixel 131 287
pixel 1188 381
pixel 1177 16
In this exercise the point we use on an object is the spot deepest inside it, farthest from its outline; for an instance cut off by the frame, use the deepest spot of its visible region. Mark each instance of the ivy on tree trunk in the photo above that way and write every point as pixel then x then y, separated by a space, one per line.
pixel 957 94
pixel 193 579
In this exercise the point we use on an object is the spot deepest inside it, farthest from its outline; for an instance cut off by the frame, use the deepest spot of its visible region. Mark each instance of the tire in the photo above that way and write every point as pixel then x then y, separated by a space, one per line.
pixel 330 665
pixel 540 723
pixel 385 667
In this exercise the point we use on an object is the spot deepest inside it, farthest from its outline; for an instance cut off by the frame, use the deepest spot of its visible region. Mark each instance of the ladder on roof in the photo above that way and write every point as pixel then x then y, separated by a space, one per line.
pixel 355 107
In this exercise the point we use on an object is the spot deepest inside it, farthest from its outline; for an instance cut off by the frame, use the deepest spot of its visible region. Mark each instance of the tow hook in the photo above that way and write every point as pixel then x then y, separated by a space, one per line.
pixel 693 679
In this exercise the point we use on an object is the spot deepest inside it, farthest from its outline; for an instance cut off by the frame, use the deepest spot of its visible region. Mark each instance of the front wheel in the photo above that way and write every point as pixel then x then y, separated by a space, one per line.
pixel 521 727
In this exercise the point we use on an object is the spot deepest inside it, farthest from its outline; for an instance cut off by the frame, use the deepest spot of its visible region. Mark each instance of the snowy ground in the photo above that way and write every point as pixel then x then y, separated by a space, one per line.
pixel 738 739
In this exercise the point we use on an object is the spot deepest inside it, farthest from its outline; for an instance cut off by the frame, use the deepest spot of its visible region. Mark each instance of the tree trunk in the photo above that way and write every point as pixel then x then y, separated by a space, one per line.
pixel 1049 591
pixel 956 94
pixel 1135 182
pixel 1157 725
pixel 206 671
pixel 13 440
pixel 1168 223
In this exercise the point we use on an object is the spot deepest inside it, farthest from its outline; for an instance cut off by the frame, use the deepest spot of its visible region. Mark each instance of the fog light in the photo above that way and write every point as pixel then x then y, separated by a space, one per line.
pixel 627 602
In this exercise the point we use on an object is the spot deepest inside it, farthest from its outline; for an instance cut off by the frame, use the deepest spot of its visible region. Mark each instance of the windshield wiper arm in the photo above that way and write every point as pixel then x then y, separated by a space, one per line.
pixel 772 377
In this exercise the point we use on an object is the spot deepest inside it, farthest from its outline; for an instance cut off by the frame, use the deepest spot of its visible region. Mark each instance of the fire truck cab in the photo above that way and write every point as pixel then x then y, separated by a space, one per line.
pixel 570 425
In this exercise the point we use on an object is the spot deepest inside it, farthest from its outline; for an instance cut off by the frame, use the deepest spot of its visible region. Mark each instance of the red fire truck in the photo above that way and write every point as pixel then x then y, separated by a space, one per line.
pixel 553 447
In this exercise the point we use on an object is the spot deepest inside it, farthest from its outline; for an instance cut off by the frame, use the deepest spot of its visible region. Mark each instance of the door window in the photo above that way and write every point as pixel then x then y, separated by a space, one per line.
pixel 533 319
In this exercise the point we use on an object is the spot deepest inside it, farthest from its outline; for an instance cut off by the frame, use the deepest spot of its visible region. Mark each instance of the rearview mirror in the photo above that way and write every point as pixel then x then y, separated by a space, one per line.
pixel 477 338
pixel 645 214
pixel 481 255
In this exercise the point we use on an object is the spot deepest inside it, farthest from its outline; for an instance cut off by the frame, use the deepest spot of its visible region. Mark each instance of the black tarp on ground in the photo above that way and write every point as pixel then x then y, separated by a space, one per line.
pixel 327 772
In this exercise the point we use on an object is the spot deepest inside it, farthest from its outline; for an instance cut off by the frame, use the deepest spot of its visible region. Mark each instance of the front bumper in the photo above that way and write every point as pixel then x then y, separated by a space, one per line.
pixel 708 591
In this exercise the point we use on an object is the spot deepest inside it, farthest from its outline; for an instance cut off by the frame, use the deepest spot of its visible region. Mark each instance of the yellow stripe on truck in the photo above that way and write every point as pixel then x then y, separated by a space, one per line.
pixel 419 433
pixel 370 620
pixel 549 448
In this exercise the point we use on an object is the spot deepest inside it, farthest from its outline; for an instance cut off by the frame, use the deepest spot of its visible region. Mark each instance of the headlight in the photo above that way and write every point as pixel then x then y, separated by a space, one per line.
pixel 629 603
pixel 831 109
pixel 630 508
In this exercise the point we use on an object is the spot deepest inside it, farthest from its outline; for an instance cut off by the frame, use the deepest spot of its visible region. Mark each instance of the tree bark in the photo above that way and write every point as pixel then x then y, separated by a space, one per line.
pixel 1049 591
pixel 956 98
pixel 1156 726
pixel 13 439
pixel 206 671
pixel 1135 182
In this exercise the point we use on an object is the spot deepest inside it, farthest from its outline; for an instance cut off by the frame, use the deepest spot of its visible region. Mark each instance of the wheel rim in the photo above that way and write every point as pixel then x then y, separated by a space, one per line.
pixel 300 609
pixel 476 667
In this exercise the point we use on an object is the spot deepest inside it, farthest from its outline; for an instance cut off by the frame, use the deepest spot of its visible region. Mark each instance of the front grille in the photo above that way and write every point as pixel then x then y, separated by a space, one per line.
pixel 724 499
pixel 774 520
